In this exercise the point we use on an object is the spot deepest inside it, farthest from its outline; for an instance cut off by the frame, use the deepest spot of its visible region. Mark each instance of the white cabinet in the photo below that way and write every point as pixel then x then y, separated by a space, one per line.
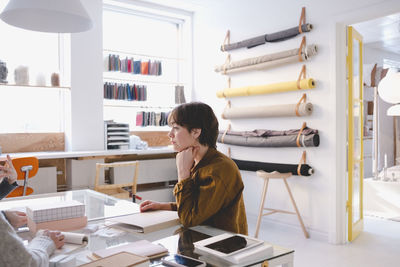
pixel 81 173
pixel 150 171
pixel 45 181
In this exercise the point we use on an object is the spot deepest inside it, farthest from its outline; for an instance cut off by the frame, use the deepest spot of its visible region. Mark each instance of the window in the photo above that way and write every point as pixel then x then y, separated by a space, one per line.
pixel 32 108
pixel 131 33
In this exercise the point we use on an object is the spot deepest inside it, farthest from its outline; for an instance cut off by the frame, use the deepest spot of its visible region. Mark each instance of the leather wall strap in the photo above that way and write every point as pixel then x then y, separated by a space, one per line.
pixel 223 136
pixel 302 100
pixel 227 40
pixel 302 161
pixel 299 134
pixel 302 19
pixel 227 61
pixel 302 48
pixel 302 75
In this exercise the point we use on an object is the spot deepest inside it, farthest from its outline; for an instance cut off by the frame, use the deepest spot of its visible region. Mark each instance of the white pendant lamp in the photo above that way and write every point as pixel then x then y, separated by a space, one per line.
pixel 389 91
pixel 60 16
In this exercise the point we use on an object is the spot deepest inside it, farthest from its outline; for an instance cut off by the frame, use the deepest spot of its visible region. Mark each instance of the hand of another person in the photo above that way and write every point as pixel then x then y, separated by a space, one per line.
pixel 154 205
pixel 16 218
pixel 185 162
pixel 56 236
pixel 8 171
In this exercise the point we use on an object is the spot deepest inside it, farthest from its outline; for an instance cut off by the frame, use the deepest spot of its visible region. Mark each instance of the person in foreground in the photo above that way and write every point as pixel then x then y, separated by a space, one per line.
pixel 12 249
pixel 209 189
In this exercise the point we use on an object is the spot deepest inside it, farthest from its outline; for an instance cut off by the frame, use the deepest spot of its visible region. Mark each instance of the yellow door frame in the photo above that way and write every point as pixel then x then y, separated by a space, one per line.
pixel 355 227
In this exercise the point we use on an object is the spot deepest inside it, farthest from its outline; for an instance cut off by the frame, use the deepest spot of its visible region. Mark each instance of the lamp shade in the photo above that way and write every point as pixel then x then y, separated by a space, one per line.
pixel 61 16
pixel 393 110
pixel 389 88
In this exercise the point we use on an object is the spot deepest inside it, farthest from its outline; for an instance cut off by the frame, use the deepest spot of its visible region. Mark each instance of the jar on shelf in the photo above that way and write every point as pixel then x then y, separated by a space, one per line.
pixel 3 72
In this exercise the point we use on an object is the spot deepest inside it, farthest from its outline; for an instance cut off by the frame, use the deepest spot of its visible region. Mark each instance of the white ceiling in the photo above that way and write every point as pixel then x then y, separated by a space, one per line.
pixel 381 33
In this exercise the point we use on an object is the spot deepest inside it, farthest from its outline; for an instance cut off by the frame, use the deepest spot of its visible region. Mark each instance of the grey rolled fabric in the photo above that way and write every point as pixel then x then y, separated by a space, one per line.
pixel 288 110
pixel 311 140
pixel 268 61
pixel 267 133
pixel 272 37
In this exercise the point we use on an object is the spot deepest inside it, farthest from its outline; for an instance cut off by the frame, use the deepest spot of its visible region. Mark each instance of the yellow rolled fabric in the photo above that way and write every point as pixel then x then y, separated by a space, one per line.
pixel 286 110
pixel 267 89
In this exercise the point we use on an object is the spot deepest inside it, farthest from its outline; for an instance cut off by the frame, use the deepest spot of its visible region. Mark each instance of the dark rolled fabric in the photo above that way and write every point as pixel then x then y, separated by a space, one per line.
pixel 305 169
pixel 311 140
pixel 272 37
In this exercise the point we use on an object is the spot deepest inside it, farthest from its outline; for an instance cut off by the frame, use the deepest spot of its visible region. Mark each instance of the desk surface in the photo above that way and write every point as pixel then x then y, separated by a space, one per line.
pixel 100 207
pixel 92 153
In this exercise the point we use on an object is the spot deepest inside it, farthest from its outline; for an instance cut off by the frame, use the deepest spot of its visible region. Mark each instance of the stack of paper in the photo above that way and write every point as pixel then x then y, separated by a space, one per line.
pixel 145 222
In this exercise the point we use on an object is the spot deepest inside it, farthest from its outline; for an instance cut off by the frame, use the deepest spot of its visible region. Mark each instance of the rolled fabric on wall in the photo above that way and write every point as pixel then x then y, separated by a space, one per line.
pixel 288 110
pixel 311 140
pixel 267 88
pixel 267 61
pixel 305 169
pixel 272 37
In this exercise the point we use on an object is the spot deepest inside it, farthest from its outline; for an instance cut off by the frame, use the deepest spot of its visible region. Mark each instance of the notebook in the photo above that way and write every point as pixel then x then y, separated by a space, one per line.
pixel 142 248
pixel 145 222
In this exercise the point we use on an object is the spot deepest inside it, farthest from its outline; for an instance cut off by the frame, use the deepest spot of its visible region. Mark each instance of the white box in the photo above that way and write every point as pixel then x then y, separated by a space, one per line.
pixel 159 194
pixel 55 211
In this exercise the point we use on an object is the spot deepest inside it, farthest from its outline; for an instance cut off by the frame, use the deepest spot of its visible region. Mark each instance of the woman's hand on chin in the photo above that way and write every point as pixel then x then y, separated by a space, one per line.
pixel 185 161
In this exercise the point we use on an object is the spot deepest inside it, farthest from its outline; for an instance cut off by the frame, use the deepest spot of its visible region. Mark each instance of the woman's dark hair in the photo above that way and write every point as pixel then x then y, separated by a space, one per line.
pixel 197 115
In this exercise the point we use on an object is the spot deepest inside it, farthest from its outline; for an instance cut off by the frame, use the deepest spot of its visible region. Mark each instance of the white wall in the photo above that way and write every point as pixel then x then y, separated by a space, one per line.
pixel 87 127
pixel 246 20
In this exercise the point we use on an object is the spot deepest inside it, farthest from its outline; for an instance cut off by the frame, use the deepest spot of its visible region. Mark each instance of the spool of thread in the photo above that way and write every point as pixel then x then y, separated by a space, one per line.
pixel 21 75
pixel 55 79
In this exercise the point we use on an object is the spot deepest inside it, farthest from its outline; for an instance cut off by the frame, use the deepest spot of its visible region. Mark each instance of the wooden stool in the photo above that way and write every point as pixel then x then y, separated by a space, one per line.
pixel 276 175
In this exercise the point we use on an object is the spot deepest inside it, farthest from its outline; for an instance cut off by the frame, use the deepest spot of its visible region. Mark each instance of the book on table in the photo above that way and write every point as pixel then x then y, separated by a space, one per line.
pixel 142 248
pixel 145 222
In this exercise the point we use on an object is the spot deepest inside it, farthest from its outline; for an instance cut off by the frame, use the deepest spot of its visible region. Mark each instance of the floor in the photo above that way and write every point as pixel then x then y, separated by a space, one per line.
pixel 378 245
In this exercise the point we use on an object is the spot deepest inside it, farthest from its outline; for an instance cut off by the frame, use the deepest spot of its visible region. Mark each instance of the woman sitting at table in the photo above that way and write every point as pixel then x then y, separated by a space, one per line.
pixel 12 249
pixel 209 189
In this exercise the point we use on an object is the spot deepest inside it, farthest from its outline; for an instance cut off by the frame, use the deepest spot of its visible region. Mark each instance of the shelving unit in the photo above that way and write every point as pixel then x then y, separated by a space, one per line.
pixel 34 86
pixel 157 87
pixel 117 135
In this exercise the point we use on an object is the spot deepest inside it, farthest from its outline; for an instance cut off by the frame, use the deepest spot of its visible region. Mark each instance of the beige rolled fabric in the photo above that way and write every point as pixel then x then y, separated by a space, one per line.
pixel 288 110
pixel 267 88
pixel 268 61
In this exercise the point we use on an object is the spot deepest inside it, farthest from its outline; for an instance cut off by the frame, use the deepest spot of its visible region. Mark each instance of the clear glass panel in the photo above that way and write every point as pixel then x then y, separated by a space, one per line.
pixel 139 34
pixel 31 109
pixel 141 37
pixel 356 69
pixel 356 192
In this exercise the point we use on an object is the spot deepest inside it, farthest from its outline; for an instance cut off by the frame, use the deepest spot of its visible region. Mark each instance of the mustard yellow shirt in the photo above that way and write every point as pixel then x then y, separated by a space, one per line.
pixel 213 195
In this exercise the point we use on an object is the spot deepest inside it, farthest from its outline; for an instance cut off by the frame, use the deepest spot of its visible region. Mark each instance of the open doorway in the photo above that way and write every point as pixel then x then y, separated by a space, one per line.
pixel 381 133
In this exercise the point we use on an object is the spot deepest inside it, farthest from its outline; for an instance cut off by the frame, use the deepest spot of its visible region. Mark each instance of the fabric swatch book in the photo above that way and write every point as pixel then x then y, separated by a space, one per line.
pixel 142 248
pixel 145 222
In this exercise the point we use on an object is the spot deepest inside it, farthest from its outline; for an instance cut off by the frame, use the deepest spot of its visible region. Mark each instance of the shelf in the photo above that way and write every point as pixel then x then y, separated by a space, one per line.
pixel 141 55
pixel 35 86
pixel 132 104
pixel 138 80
